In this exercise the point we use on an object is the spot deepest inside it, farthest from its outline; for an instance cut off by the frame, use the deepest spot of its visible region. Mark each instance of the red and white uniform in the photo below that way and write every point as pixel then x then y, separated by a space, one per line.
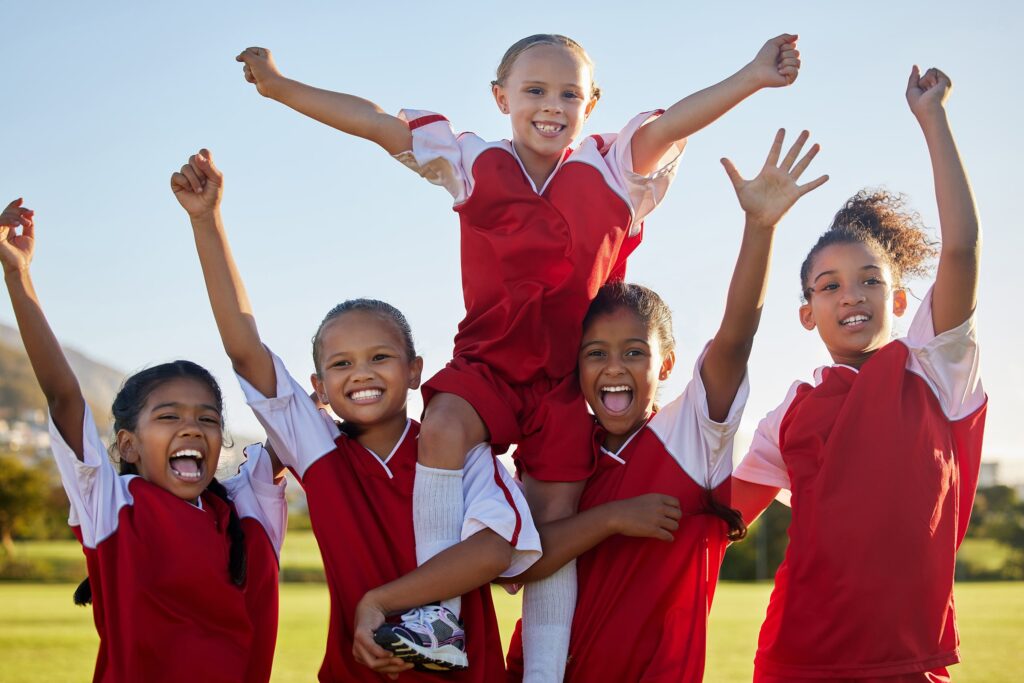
pixel 532 261
pixel 882 464
pixel 163 601
pixel 643 604
pixel 360 506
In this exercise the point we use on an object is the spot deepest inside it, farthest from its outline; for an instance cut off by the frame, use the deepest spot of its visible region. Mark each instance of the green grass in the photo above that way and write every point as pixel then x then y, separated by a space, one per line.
pixel 44 637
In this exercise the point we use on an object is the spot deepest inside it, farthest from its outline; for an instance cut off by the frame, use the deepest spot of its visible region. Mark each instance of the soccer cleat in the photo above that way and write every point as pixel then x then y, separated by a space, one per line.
pixel 431 637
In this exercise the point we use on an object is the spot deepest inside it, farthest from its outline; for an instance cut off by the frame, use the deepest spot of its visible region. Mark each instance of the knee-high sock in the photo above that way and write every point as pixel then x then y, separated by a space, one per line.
pixel 548 607
pixel 437 512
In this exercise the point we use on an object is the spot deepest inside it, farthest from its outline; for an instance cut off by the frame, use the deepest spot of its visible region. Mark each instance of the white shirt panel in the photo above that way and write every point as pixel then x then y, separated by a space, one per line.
pixel 487 507
pixel 255 494
pixel 701 446
pixel 947 362
pixel 96 491
pixel 300 433
pixel 763 463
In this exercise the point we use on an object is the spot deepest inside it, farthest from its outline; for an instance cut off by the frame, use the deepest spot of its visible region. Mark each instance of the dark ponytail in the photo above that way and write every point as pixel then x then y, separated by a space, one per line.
pixel 237 555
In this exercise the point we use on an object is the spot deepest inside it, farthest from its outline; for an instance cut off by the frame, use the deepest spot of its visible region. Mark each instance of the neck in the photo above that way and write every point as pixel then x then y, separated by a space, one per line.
pixel 381 438
pixel 538 167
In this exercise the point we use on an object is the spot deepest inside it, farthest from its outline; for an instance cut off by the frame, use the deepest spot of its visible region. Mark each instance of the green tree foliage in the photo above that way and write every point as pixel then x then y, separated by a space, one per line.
pixel 761 552
pixel 24 491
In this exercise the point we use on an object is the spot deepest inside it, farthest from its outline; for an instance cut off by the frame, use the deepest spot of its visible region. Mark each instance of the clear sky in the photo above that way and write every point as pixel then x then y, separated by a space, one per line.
pixel 104 100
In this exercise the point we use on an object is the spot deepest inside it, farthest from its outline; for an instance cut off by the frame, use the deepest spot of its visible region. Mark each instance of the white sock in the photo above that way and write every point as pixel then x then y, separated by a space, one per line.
pixel 548 607
pixel 437 513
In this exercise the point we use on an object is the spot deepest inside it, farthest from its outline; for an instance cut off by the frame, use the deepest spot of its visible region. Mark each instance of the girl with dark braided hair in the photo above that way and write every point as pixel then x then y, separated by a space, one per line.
pixel 182 568
pixel 881 453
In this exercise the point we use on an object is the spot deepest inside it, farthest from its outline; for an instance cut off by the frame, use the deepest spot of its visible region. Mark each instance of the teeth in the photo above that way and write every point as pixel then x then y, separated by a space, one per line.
pixel 365 393
pixel 548 127
pixel 188 453
pixel 620 387
pixel 855 319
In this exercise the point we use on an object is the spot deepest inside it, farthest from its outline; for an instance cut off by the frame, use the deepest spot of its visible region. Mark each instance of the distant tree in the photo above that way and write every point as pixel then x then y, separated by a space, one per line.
pixel 758 555
pixel 24 493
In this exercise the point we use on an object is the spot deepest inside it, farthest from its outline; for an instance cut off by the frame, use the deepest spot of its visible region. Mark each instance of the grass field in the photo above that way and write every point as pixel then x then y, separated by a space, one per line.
pixel 44 637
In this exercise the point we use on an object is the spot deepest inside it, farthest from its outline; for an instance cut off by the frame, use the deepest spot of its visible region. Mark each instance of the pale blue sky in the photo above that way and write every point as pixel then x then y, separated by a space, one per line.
pixel 105 100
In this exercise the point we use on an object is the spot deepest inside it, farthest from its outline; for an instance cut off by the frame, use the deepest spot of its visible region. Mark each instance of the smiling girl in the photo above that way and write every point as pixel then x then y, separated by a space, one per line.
pixel 544 225
pixel 881 453
pixel 182 569
pixel 643 604
pixel 359 478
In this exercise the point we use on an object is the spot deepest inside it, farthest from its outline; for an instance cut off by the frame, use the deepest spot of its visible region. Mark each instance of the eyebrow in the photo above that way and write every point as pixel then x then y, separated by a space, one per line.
pixel 833 272
pixel 172 404
pixel 601 341
pixel 565 85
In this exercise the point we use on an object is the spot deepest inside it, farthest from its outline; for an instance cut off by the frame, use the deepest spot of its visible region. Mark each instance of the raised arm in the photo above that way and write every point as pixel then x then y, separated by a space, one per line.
pixel 198 187
pixel 776 64
pixel 955 294
pixel 347 113
pixel 58 382
pixel 764 200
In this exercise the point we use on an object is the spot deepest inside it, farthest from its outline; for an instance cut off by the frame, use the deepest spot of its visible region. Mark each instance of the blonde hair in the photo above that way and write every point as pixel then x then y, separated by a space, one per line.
pixel 521 46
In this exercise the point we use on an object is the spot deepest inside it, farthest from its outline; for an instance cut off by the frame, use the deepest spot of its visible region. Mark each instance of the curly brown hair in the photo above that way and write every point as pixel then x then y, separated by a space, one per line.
pixel 879 219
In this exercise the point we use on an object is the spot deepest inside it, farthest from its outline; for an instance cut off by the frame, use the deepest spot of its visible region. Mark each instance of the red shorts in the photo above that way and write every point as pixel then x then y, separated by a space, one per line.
pixel 939 675
pixel 547 420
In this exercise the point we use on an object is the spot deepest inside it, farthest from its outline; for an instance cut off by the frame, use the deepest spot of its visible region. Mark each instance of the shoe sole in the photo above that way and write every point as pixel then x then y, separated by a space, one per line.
pixel 447 658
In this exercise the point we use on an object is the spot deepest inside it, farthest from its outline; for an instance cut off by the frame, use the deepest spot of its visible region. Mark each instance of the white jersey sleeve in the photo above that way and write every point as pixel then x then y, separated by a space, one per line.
pixel 436 152
pixel 701 446
pixel 256 495
pixel 948 362
pixel 96 491
pixel 492 500
pixel 645 192
pixel 763 463
pixel 300 433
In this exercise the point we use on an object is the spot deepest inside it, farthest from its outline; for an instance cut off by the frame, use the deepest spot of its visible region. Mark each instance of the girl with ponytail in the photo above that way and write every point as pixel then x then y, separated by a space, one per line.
pixel 182 568
pixel 881 452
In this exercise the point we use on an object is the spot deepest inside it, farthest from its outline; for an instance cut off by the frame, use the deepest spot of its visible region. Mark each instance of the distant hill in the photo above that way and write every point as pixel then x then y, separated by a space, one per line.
pixel 19 391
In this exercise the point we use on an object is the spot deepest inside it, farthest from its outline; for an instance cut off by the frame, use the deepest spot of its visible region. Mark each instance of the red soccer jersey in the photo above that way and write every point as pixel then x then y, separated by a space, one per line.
pixel 643 604
pixel 360 506
pixel 164 604
pixel 882 464
pixel 534 258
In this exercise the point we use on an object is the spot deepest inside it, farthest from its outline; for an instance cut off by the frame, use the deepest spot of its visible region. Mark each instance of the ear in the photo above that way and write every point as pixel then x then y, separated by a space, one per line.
pixel 667 363
pixel 415 371
pixel 500 97
pixel 126 446
pixel 899 302
pixel 807 317
pixel 590 107
pixel 319 389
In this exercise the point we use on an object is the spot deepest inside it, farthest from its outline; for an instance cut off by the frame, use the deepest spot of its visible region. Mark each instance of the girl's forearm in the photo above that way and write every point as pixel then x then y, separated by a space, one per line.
pixel 726 360
pixel 230 304
pixel 565 539
pixel 687 116
pixel 956 285
pixel 458 570
pixel 51 368
pixel 347 113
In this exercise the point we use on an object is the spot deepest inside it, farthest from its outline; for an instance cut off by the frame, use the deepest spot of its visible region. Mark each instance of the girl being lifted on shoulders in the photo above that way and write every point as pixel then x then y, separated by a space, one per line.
pixel 544 226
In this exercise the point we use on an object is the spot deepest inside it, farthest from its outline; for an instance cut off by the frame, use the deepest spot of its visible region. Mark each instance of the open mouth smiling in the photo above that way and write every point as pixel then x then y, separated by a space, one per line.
pixel 187 465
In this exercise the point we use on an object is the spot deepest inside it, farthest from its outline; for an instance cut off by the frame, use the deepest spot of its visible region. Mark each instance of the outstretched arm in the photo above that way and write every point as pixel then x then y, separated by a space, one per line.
pixel 347 113
pixel 955 294
pixel 777 64
pixel 765 200
pixel 58 382
pixel 198 187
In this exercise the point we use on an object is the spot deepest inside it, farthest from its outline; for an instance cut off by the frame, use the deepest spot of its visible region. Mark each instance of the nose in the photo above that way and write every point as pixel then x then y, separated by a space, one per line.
pixel 853 295
pixel 552 104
